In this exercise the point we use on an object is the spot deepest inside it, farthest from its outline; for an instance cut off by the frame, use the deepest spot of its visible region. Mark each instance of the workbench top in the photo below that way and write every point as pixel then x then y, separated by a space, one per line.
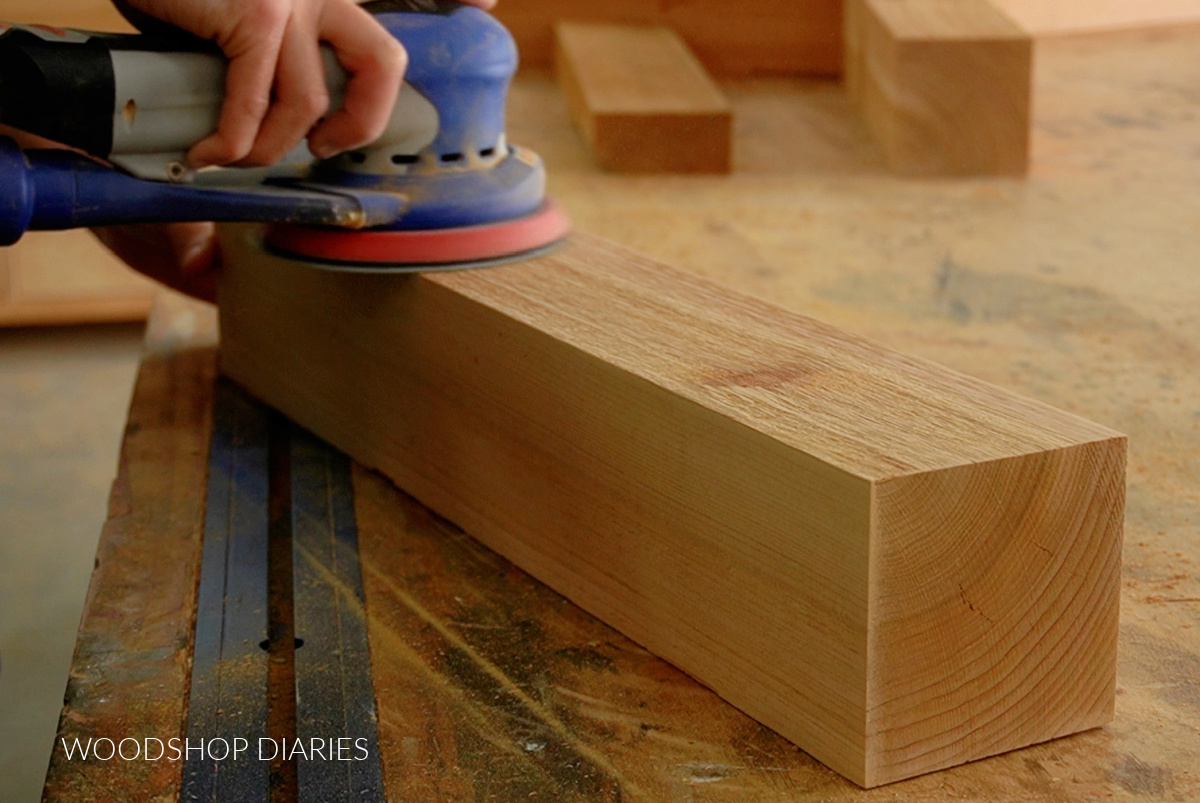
pixel 1077 286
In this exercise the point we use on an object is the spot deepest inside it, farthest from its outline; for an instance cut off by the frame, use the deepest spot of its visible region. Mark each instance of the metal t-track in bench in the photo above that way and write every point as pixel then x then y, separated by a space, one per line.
pixel 282 705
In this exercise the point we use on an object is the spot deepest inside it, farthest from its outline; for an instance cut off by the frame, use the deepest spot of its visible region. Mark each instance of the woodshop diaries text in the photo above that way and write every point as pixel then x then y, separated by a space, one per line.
pixel 236 749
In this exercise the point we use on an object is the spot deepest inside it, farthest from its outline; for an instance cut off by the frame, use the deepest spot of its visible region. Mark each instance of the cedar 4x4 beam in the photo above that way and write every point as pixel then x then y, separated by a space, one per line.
pixel 895 566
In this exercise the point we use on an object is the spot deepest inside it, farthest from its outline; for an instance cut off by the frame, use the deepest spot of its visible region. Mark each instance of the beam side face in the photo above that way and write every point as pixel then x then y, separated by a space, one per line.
pixel 846 400
pixel 736 557
pixel 995 598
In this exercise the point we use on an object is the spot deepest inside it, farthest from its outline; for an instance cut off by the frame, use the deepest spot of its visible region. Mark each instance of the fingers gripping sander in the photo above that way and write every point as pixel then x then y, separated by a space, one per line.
pixel 441 188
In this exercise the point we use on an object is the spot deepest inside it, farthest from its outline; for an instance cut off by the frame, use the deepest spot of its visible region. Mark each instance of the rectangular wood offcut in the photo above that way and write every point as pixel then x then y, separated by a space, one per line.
pixel 945 86
pixel 898 567
pixel 641 100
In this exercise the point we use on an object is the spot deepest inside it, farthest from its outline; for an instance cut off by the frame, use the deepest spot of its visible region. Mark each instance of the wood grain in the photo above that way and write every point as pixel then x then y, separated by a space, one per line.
pixel 944 85
pixel 641 100
pixel 132 664
pixel 994 620
pixel 732 486
pixel 779 37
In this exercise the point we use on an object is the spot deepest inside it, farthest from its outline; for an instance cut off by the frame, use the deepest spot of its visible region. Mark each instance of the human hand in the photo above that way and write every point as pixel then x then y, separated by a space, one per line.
pixel 183 256
pixel 275 93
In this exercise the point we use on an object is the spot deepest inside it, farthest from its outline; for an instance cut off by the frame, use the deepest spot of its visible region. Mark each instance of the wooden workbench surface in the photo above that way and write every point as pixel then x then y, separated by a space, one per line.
pixel 1077 286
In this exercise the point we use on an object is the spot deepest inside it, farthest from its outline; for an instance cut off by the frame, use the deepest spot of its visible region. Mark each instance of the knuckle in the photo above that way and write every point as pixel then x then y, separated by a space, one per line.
pixel 254 106
pixel 393 58
pixel 269 14
pixel 313 104
pixel 357 131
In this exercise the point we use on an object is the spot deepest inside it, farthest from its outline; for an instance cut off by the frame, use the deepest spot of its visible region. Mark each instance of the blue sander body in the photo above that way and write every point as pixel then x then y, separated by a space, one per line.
pixel 441 188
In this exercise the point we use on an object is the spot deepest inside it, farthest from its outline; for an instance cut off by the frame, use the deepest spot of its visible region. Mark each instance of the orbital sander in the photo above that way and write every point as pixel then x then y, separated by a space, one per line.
pixel 441 188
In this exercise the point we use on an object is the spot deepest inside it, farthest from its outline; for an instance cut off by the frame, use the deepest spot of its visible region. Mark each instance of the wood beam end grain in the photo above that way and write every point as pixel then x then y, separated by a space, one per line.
pixel 995 601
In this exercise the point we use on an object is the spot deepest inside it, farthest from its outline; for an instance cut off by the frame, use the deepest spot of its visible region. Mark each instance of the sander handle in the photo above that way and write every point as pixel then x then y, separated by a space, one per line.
pixel 59 189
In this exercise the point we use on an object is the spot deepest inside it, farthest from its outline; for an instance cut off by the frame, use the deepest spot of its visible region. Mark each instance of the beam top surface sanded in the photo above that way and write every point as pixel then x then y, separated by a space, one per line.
pixel 639 69
pixel 858 406
pixel 946 20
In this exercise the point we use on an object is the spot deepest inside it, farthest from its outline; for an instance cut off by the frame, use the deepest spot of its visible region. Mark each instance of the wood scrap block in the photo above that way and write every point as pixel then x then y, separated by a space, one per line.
pixel 897 567
pixel 769 37
pixel 67 277
pixel 642 101
pixel 944 85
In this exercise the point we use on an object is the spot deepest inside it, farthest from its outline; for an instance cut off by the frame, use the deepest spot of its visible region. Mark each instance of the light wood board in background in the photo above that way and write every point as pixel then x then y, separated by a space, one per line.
pixel 771 37
pixel 1053 17
pixel 53 278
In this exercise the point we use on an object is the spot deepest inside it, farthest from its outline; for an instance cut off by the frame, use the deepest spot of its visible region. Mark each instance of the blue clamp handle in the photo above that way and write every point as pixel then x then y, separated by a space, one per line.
pixel 57 189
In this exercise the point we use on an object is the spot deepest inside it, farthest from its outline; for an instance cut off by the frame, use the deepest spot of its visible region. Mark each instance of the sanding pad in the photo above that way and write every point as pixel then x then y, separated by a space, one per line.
pixel 383 251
